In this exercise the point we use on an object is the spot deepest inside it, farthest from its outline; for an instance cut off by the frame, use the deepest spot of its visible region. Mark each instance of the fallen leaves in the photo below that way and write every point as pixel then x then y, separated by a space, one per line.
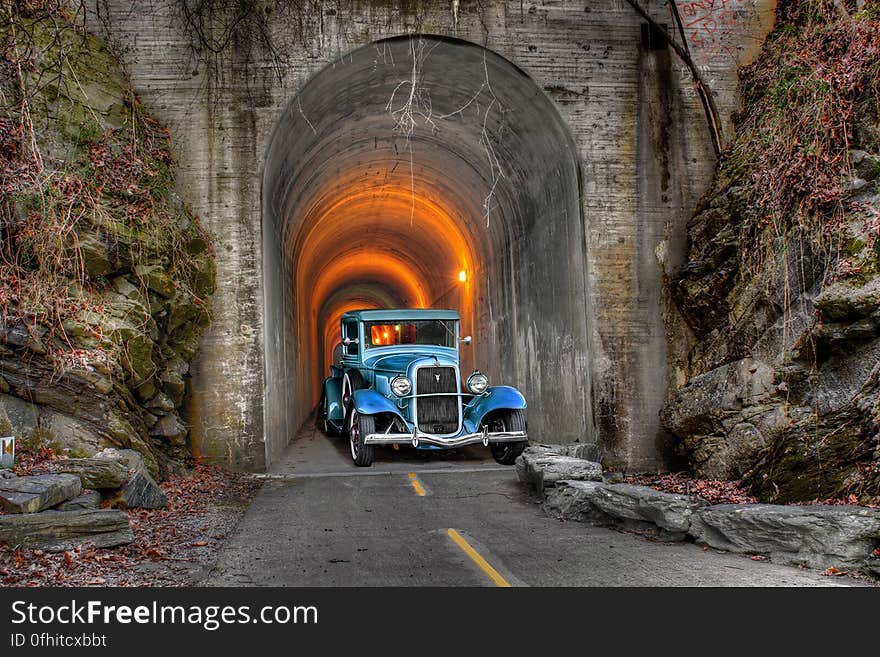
pixel 711 490
pixel 177 540
pixel 834 572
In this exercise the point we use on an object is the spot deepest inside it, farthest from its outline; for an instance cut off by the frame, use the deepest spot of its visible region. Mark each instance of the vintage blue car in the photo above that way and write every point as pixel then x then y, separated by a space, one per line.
pixel 395 379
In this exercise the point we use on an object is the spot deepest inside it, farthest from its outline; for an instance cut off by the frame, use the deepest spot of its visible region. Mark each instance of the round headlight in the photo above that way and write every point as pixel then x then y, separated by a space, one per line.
pixel 477 382
pixel 401 386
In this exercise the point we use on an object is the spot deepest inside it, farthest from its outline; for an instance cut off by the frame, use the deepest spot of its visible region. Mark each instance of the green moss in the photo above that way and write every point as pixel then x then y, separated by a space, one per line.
pixel 815 460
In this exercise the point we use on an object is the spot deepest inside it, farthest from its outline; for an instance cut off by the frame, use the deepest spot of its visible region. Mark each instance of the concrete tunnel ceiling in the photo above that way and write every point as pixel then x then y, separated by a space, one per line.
pixel 367 205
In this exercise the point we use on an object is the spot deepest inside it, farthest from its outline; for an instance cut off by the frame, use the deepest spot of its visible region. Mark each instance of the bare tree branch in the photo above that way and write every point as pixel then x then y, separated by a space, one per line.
pixel 713 119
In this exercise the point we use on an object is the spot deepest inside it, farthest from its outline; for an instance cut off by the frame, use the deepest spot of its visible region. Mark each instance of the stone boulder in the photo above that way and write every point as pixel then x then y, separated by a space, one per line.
pixel 573 500
pixel 818 536
pixel 708 399
pixel 57 531
pixel 720 440
pixel 624 505
pixel 38 492
pixel 96 473
pixel 141 490
pixel 542 468
pixel 845 300
pixel 89 499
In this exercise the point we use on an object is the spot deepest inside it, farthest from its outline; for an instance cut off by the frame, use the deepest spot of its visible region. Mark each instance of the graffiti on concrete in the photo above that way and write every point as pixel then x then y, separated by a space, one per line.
pixel 707 22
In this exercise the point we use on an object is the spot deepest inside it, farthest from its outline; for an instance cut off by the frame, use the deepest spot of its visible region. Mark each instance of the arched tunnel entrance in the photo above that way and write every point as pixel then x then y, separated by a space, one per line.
pixel 427 172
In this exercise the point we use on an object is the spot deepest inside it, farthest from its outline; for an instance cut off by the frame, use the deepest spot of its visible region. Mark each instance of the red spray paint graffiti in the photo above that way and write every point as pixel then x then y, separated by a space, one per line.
pixel 706 21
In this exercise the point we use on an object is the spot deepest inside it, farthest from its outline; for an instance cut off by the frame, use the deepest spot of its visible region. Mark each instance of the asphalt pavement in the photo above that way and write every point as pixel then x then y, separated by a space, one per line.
pixel 447 519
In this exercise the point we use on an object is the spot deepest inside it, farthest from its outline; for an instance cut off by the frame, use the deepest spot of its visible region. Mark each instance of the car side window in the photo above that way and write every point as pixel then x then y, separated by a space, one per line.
pixel 350 331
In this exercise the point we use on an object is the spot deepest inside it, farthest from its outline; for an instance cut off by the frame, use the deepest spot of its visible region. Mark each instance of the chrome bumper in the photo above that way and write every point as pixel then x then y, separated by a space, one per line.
pixel 418 438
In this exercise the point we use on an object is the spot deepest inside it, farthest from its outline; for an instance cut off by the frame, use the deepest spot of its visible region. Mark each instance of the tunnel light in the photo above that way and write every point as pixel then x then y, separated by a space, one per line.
pixel 462 276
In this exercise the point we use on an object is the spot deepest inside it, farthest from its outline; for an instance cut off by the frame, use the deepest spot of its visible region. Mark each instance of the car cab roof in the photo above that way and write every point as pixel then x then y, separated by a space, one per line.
pixel 399 314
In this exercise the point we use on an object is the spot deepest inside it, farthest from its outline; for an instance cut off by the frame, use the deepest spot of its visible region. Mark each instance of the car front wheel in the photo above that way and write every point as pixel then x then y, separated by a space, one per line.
pixel 513 420
pixel 323 422
pixel 359 427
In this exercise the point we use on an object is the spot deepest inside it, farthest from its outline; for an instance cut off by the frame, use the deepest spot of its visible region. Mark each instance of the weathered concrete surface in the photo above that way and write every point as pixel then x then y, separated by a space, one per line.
pixel 641 153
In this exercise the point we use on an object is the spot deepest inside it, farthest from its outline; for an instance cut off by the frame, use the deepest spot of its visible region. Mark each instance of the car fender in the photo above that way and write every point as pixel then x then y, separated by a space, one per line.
pixel 333 392
pixel 494 399
pixel 370 402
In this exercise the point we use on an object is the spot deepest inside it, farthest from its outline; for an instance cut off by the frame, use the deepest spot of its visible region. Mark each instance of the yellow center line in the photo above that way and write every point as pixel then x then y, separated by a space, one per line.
pixel 475 556
pixel 416 484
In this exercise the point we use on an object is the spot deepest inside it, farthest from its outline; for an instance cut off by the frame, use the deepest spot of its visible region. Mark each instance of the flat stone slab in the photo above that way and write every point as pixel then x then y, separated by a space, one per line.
pixel 140 490
pixel 542 468
pixel 90 499
pixel 624 505
pixel 37 492
pixel 57 531
pixel 818 536
pixel 95 473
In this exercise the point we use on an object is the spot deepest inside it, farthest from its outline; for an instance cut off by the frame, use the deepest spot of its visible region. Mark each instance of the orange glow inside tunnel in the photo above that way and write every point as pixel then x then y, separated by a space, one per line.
pixel 475 210
pixel 374 246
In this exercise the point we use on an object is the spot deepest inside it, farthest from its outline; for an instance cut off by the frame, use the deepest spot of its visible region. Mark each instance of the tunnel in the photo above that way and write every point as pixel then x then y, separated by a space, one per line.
pixel 424 171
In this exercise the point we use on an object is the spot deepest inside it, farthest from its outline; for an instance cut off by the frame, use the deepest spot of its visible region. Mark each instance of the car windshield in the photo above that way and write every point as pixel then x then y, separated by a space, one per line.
pixel 438 332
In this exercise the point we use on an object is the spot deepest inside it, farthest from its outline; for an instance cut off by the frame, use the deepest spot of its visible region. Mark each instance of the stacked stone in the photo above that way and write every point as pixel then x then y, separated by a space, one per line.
pixel 54 512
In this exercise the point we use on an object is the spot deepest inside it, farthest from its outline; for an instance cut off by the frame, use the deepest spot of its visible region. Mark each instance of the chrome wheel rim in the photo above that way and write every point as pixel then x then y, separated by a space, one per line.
pixel 354 434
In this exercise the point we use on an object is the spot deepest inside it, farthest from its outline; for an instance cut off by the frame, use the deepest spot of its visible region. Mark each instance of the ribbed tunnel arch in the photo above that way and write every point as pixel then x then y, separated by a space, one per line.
pixel 370 200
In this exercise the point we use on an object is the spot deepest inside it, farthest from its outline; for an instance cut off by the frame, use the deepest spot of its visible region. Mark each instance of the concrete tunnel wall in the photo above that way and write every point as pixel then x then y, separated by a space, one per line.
pixel 362 208
pixel 642 147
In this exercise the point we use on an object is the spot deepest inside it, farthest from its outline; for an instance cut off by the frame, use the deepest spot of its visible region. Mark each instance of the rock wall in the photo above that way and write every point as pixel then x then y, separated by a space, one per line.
pixel 105 274
pixel 780 288
pixel 221 83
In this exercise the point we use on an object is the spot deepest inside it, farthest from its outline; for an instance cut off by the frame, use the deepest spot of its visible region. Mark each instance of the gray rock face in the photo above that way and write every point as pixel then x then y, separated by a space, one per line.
pixel 97 473
pixel 815 536
pixel 63 433
pixel 670 512
pixel 708 415
pixel 90 499
pixel 845 301
pixel 57 531
pixel 32 494
pixel 170 428
pixel 542 468
pixel 573 500
pixel 625 505
pixel 22 416
pixel 141 490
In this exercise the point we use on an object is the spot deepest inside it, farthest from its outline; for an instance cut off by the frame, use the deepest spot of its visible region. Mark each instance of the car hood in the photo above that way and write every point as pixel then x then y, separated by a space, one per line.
pixel 400 361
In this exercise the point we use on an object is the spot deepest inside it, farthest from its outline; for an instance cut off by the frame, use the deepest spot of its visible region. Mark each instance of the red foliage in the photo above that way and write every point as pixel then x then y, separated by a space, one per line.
pixel 711 490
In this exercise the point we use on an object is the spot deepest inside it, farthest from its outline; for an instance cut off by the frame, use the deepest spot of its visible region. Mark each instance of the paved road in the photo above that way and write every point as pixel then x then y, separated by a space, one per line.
pixel 320 521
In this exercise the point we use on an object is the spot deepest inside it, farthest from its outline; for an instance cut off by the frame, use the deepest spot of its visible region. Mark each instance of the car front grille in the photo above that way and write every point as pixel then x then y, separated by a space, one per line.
pixel 437 415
